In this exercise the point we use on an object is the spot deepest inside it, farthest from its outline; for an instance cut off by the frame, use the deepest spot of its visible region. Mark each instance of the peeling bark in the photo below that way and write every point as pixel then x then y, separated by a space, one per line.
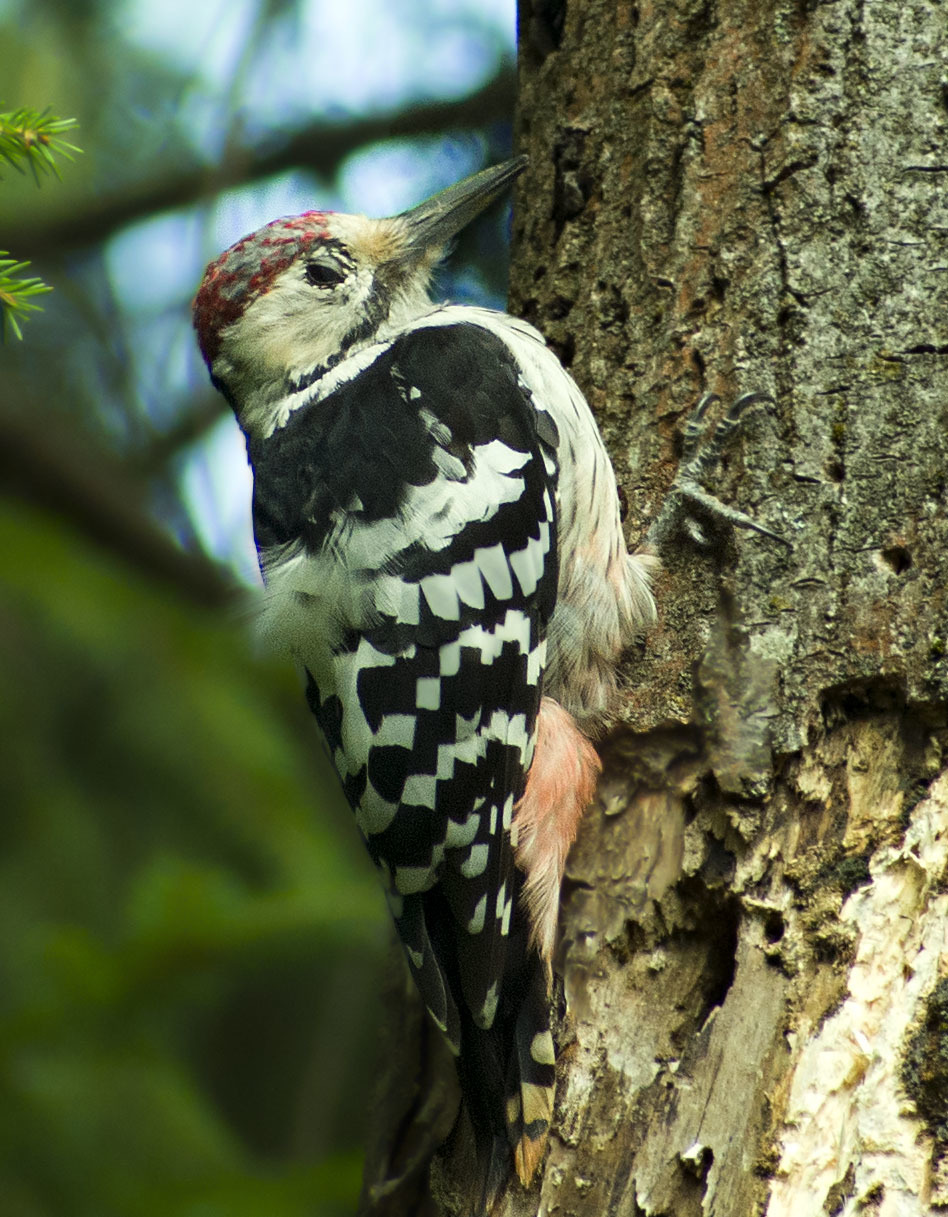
pixel 753 966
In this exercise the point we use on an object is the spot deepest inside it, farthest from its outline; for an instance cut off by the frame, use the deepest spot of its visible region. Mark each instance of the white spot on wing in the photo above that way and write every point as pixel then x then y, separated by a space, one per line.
pixel 357 736
pixel 524 564
pixel 457 836
pixel 467 579
pixel 427 692
pixel 528 563
pixel 476 924
pixel 476 861
pixel 486 1017
pixel 535 661
pixel 396 730
pixel 510 729
pixel 374 814
pixel 469 750
pixel 442 596
pixel 541 1048
pixel 515 627
pixel 500 456
pixel 492 563
pixel 420 790
pixel 412 879
pixel 449 658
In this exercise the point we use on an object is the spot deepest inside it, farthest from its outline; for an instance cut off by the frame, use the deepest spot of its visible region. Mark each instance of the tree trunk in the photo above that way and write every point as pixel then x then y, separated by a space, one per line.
pixel 732 196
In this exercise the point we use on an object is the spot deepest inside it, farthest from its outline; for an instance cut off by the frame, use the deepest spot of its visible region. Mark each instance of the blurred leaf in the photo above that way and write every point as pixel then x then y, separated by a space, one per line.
pixel 179 887
pixel 190 932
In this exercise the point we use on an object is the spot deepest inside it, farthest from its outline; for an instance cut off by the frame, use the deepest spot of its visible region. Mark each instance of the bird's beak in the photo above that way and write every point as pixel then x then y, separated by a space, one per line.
pixel 430 225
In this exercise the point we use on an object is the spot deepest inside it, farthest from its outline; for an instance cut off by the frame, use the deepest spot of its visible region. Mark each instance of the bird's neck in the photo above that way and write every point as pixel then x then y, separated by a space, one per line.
pixel 264 407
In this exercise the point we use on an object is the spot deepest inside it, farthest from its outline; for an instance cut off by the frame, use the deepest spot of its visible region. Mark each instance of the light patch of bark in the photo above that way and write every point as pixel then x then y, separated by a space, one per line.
pixel 846 1117
pixel 737 1013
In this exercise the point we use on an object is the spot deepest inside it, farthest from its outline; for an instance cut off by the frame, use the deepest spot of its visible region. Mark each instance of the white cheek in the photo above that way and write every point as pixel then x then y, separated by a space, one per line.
pixel 295 326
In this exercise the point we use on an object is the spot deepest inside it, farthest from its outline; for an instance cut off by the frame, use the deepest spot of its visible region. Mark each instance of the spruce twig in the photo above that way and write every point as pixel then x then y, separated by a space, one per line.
pixel 28 139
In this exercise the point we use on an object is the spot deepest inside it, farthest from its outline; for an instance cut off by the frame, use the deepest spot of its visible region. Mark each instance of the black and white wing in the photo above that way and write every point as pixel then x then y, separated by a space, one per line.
pixel 407 525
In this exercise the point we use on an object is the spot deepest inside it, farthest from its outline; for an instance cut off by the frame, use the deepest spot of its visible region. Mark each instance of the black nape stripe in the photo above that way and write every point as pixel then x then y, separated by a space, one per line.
pixel 376 311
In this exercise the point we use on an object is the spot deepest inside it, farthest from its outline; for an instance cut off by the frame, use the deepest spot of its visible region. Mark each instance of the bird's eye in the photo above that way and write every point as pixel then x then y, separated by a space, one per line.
pixel 322 274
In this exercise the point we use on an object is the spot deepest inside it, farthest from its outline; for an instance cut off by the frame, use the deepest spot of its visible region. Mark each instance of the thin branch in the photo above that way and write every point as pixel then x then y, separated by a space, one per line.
pixel 320 148
pixel 60 471
pixel 154 455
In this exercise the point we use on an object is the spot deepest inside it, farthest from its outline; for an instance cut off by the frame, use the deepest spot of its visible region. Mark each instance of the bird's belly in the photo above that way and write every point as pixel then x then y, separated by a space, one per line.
pixel 310 602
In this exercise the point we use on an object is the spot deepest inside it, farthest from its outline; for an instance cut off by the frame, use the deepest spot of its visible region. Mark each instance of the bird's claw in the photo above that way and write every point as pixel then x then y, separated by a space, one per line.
pixel 698 460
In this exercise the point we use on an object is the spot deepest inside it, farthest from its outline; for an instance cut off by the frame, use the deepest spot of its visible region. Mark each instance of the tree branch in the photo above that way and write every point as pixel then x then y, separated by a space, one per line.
pixel 201 416
pixel 320 148
pixel 64 474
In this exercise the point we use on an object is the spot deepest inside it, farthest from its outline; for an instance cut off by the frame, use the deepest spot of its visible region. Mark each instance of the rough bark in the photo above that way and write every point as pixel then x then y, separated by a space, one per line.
pixel 730 196
pixel 752 196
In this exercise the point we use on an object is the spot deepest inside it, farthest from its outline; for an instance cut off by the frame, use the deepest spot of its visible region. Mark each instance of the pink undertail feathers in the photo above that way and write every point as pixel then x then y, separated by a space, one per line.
pixel 560 786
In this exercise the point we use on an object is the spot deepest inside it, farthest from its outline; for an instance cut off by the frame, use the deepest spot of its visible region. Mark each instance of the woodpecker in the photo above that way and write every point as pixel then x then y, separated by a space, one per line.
pixel 439 534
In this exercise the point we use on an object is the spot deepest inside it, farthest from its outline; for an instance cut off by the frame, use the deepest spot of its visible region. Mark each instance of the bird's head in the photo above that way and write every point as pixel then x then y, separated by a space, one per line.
pixel 292 298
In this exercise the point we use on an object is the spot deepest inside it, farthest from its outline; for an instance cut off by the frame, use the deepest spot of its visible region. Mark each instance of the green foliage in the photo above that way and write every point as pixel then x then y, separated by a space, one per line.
pixel 189 932
pixel 33 140
pixel 16 294
pixel 191 936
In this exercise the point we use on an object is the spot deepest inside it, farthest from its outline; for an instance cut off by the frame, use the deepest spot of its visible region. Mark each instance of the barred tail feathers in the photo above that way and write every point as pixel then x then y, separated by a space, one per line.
pixel 560 785
pixel 532 1082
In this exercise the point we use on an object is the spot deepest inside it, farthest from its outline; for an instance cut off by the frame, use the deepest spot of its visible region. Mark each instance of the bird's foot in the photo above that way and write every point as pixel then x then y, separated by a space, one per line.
pixel 689 507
